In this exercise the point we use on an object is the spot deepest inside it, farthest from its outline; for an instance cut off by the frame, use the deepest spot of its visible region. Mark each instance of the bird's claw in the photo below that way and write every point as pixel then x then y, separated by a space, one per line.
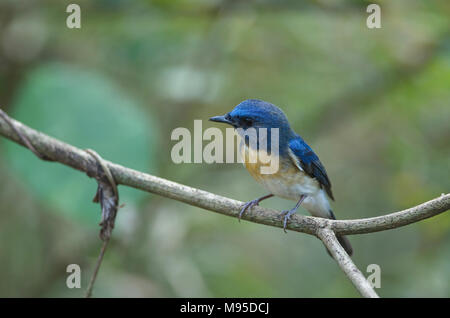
pixel 286 216
pixel 247 206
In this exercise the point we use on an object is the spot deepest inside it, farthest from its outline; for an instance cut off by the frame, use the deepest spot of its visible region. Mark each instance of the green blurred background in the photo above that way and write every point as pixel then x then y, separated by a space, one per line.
pixel 374 104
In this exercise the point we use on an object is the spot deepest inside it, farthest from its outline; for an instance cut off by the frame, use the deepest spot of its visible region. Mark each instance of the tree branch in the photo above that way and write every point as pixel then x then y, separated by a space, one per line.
pixel 345 263
pixel 81 160
pixel 325 229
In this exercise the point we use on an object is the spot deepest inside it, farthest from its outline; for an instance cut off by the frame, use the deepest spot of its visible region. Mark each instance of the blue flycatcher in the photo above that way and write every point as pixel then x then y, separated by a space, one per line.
pixel 300 175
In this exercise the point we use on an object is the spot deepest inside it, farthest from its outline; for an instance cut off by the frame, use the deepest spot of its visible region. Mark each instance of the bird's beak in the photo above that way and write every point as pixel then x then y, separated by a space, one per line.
pixel 221 119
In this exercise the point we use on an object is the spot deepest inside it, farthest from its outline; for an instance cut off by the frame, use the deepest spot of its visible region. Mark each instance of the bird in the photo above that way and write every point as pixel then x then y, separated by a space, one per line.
pixel 300 175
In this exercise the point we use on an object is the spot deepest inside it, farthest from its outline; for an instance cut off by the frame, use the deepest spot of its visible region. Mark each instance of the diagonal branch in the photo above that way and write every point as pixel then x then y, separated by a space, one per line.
pixel 345 263
pixel 325 229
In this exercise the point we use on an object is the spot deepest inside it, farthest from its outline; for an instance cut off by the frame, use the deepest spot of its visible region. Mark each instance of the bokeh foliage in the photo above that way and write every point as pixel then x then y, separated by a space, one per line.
pixel 374 104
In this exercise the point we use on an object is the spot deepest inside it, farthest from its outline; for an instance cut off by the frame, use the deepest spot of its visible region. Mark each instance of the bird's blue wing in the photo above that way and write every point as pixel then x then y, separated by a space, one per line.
pixel 305 158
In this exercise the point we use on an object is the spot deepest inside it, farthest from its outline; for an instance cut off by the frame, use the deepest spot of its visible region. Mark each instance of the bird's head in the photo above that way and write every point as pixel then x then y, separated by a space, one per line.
pixel 256 114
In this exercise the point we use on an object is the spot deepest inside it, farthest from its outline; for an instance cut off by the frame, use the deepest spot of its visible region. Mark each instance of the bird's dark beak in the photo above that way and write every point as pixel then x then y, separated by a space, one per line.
pixel 221 119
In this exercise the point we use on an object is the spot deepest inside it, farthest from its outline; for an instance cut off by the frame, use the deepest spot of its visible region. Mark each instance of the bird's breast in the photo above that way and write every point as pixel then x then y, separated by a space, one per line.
pixel 287 181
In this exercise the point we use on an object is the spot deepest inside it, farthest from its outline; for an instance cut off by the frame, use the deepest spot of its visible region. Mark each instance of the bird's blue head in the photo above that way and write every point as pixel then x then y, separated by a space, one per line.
pixel 255 113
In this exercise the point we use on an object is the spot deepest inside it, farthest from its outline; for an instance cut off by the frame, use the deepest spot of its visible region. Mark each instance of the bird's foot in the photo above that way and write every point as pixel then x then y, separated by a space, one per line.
pixel 248 205
pixel 286 216
pixel 252 203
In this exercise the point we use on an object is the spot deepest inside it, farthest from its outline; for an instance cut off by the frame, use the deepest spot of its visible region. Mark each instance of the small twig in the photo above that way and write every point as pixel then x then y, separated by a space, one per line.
pixel 108 197
pixel 97 267
pixel 106 170
pixel 345 263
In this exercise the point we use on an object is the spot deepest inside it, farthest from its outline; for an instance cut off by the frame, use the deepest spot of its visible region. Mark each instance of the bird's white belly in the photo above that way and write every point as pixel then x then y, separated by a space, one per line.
pixel 316 201
pixel 290 185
